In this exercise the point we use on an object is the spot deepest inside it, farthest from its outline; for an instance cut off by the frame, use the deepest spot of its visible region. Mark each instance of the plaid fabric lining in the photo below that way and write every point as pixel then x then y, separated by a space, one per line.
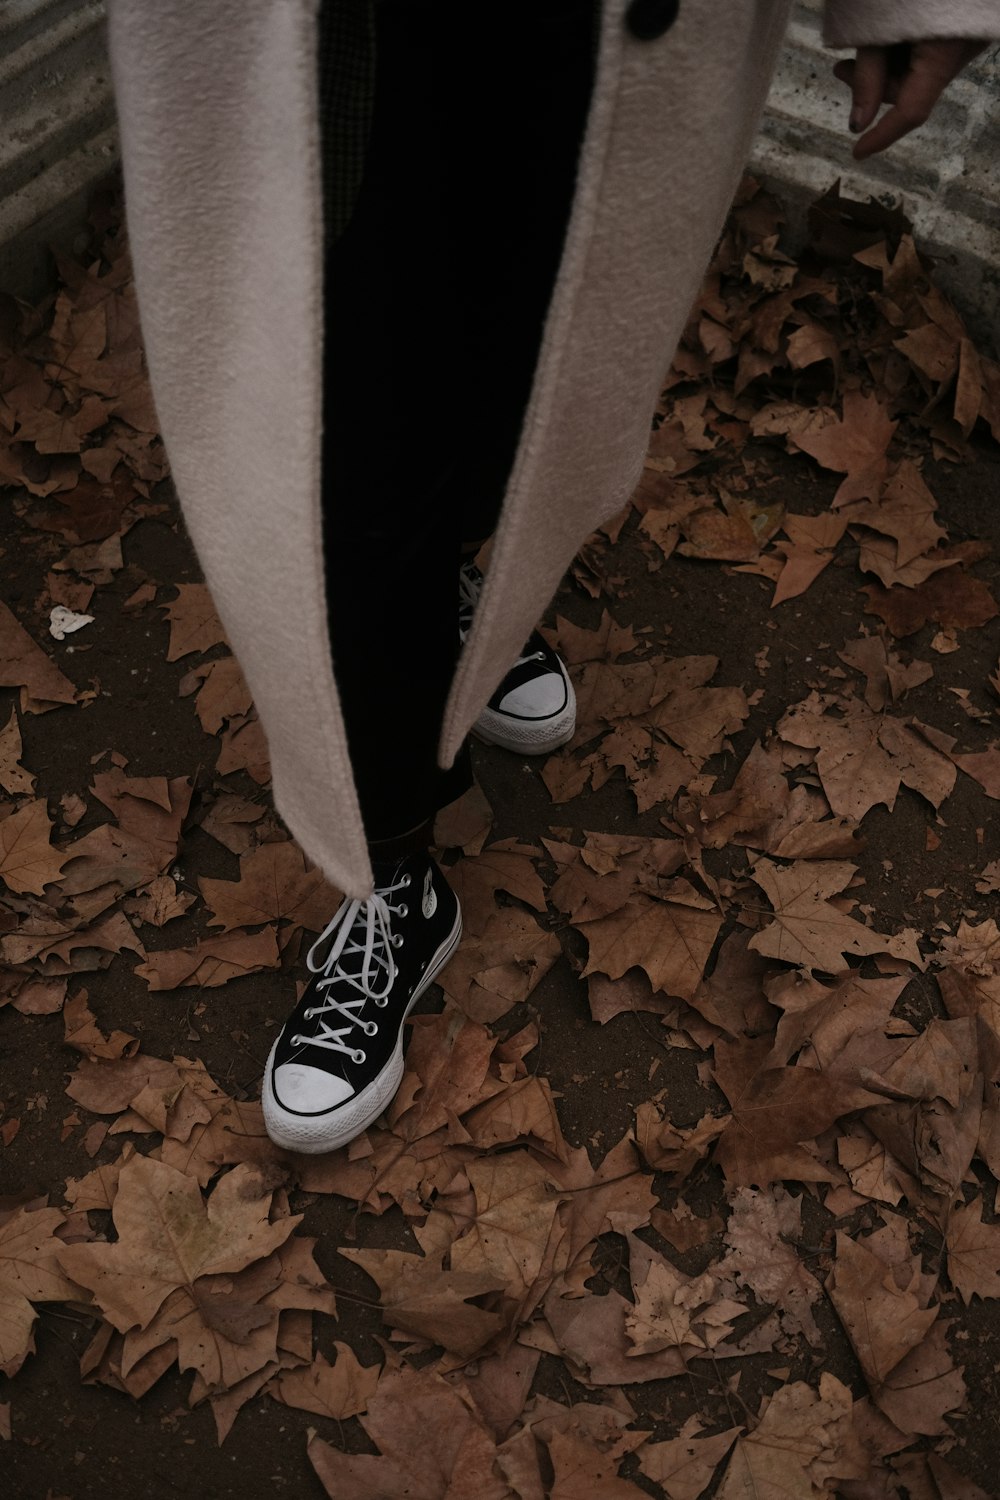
pixel 346 58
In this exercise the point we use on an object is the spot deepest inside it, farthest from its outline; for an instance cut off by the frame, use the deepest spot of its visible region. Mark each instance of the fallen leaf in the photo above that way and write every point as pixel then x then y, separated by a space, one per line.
pixel 953 599
pixel 807 928
pixel 670 940
pixel 276 884
pixel 802 1445
pixel 29 1272
pixel 431 1445
pixel 83 1034
pixel 28 861
pixel 159 1277
pixel 25 665
pixel 194 625
pixel 810 548
pixel 856 445
pixel 339 1390
pixel 14 778
pixel 973 1252
pixel 863 757
pixel 212 962
pixel 882 1315
pixel 683 1466
pixel 761 1235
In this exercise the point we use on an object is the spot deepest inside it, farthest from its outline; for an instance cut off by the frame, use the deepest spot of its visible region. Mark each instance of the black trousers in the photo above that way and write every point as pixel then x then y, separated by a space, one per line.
pixel 435 299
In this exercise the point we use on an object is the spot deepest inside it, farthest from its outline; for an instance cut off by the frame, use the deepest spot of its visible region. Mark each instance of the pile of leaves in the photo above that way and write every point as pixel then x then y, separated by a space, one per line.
pixel 757 1268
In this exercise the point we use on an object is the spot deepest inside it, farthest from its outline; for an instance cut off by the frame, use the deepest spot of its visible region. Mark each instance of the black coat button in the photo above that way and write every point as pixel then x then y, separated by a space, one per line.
pixel 648 19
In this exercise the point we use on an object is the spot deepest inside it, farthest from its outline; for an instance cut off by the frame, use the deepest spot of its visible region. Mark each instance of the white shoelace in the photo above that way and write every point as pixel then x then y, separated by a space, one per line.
pixel 371 920
pixel 469 588
pixel 470 583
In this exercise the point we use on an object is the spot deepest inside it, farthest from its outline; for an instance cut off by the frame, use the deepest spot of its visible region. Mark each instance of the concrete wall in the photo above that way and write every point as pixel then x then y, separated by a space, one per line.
pixel 58 139
pixel 946 176
pixel 57 135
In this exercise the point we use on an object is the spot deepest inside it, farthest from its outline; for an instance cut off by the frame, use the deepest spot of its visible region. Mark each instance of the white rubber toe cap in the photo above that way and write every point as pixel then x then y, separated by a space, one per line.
pixel 308 1091
pixel 540 698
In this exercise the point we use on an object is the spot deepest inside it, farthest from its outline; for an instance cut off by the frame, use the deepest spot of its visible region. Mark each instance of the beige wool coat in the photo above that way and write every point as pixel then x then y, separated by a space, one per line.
pixel 220 139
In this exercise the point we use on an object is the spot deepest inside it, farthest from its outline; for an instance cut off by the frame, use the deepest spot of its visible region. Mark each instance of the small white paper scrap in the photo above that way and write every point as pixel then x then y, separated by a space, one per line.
pixel 63 621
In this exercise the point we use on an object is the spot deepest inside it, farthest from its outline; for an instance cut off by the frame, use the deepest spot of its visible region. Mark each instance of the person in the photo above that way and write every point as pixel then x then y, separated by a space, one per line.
pixel 410 273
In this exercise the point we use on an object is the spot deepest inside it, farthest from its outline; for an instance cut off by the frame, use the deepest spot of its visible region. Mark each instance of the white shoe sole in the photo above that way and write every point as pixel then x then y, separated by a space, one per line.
pixel 315 1134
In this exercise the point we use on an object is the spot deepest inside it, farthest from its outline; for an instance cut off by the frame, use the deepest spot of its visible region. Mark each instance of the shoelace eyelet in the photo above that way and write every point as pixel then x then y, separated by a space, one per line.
pixel 397 941
pixel 370 1028
pixel 382 1002
pixel 406 882
pixel 358 1057
pixel 402 911
pixel 296 1041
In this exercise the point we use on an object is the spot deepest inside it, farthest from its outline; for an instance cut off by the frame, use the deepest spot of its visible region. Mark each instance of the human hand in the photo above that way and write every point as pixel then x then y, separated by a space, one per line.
pixel 910 76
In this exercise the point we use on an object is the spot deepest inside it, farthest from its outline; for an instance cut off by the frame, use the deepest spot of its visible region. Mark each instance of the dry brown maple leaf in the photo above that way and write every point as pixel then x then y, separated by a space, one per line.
pixel 54 945
pixel 886 677
pixel 515 1208
pixel 608 642
pixel 194 625
pixel 168 1274
pixel 28 861
pixel 447 1074
pixel 674 1311
pixel 499 966
pixel 14 778
pixel 973 1252
pixel 855 446
pixel 683 1466
pixel 25 665
pixel 904 511
pixel 339 1390
pixel 84 1035
pixel 863 756
pixel 160 902
pixel 29 1272
pixel 811 543
pixel 243 747
pixel 881 1312
pixel 222 693
pixel 933 1130
pixel 776 1112
pixel 844 1024
pixel 275 884
pixel 952 599
pixel 590 1334
pixel 423 1298
pixel 762 1231
pixel 212 962
pixel 672 1148
pixel 433 1446
pixel 924 1387
pixel 801 1447
pixel 580 1471
pixel 670 940
pixel 808 929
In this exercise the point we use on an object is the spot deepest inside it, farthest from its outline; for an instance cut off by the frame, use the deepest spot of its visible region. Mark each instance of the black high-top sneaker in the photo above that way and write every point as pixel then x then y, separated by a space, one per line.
pixel 339 1057
pixel 533 711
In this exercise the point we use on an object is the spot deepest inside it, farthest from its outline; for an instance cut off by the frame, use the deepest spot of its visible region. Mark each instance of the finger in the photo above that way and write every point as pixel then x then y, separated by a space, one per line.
pixel 933 65
pixel 916 96
pixel 868 80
